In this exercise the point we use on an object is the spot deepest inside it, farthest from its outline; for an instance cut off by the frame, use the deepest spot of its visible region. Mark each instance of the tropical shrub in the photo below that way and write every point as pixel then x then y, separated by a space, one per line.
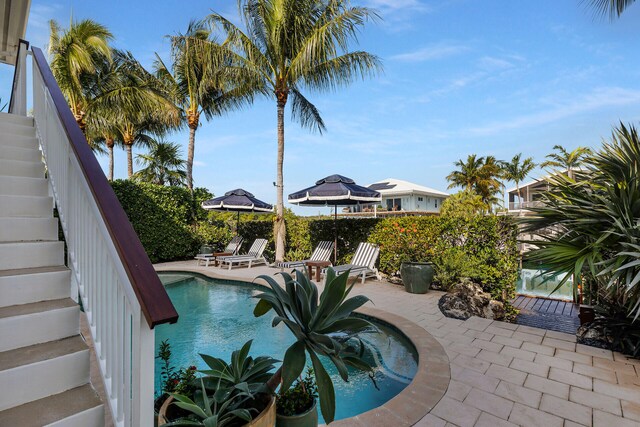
pixel 593 219
pixel 299 398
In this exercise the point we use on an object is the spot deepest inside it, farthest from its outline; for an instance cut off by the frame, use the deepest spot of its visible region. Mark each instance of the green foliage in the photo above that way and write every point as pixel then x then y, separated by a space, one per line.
pixel 593 215
pixel 174 381
pixel 299 398
pixel 323 326
pixel 259 229
pixel 482 248
pixel 465 204
pixel 162 217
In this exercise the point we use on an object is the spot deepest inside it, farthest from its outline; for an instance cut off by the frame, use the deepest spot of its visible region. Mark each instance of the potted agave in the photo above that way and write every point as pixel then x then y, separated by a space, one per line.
pixel 241 392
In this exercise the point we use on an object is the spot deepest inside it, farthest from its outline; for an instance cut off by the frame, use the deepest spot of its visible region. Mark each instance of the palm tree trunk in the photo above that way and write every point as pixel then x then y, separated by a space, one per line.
pixel 129 161
pixel 110 148
pixel 279 227
pixel 193 120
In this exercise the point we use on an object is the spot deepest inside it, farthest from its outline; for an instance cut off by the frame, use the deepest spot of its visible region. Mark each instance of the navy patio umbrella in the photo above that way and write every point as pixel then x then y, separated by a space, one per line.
pixel 237 200
pixel 335 190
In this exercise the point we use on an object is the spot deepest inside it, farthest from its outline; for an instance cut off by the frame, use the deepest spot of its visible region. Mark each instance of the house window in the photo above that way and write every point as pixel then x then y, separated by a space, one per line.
pixel 394 204
pixel 436 201
pixel 420 199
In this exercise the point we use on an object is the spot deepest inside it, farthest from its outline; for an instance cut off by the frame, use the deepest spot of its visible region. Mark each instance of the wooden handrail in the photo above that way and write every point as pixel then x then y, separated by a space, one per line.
pixel 154 301
pixel 15 73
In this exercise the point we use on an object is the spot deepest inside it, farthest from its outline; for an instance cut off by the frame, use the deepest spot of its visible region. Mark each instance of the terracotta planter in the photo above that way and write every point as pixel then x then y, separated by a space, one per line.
pixel 416 276
pixel 306 419
pixel 267 418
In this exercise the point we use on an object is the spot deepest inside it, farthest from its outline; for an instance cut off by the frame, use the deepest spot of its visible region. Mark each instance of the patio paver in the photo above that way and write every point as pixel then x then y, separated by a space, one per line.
pixel 561 386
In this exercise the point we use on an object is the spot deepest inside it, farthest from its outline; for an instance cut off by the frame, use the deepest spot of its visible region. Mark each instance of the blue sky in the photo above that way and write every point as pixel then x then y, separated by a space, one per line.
pixel 460 76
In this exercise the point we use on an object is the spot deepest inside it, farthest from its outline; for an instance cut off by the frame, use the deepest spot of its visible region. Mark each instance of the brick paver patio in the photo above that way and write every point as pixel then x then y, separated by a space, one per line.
pixel 504 374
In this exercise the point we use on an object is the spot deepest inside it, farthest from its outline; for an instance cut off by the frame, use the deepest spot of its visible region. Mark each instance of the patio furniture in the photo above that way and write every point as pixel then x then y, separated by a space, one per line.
pixel 319 265
pixel 363 262
pixel 321 253
pixel 252 257
pixel 231 249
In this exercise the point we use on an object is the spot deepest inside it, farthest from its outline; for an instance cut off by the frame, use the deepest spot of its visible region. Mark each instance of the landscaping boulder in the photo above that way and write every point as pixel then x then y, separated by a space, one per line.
pixel 467 299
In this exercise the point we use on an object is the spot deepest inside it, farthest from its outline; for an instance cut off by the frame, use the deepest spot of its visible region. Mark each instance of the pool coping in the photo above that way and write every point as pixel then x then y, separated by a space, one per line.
pixel 414 402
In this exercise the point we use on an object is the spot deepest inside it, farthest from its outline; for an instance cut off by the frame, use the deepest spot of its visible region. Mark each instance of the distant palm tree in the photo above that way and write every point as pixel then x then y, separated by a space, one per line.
pixel 517 170
pixel 162 164
pixel 467 175
pixel 566 160
pixel 195 83
pixel 488 184
pixel 76 55
pixel 613 8
pixel 291 45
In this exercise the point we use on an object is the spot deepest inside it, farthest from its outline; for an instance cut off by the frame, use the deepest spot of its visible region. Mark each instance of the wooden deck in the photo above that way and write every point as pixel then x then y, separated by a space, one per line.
pixel 547 313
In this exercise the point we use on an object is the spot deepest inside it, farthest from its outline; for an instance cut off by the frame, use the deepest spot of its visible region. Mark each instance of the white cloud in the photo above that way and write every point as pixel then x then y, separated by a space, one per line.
pixel 433 52
pixel 199 163
pixel 599 98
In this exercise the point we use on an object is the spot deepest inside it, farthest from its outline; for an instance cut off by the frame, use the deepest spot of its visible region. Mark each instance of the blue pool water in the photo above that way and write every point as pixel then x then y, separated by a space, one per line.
pixel 217 318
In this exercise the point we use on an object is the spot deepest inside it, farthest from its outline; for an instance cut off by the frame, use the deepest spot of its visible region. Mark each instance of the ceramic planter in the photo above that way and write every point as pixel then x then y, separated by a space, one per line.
pixel 306 419
pixel 416 276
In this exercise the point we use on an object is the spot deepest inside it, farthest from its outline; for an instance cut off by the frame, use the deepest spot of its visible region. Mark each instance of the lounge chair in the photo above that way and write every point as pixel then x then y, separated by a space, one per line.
pixel 321 253
pixel 252 257
pixel 363 262
pixel 232 248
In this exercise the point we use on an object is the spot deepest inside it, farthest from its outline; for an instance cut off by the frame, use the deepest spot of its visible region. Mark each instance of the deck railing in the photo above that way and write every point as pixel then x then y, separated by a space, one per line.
pixel 122 295
pixel 514 206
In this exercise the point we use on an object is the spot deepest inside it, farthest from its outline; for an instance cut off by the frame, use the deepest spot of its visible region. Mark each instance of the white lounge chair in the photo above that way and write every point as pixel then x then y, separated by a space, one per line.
pixel 252 257
pixel 232 248
pixel 363 262
pixel 321 253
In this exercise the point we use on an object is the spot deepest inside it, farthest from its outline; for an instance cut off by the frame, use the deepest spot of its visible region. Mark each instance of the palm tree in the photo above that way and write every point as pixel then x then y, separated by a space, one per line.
pixel 76 55
pixel 517 171
pixel 291 45
pixel 195 83
pixel 162 164
pixel 103 133
pixel 468 174
pixel 613 8
pixel 566 160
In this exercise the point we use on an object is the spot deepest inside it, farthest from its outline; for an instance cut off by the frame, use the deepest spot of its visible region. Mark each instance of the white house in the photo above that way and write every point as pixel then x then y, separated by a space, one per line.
pixel 399 195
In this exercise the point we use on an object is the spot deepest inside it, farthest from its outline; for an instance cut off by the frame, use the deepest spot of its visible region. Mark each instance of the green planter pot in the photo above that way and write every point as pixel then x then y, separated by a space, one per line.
pixel 306 419
pixel 416 276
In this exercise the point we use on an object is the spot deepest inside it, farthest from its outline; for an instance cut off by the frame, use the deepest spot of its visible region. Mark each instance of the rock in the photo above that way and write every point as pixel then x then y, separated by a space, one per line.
pixel 594 335
pixel 467 299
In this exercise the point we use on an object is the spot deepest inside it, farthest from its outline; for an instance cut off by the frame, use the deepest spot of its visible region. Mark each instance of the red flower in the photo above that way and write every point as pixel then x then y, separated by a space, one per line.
pixel 402 230
pixel 192 368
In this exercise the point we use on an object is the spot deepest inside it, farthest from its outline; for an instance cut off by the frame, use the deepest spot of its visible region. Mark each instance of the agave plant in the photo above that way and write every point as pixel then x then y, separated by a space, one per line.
pixel 223 408
pixel 323 326
pixel 242 369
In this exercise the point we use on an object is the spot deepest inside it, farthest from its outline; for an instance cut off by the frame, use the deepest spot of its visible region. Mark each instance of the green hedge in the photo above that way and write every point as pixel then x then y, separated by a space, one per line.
pixel 163 218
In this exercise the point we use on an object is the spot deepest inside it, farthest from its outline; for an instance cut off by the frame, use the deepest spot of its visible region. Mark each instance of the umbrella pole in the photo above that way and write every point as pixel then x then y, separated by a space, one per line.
pixel 238 225
pixel 335 234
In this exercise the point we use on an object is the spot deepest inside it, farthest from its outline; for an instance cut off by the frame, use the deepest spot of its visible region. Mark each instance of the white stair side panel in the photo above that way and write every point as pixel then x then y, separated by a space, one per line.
pixel 31 254
pixel 36 328
pixel 41 379
pixel 26 206
pixel 27 288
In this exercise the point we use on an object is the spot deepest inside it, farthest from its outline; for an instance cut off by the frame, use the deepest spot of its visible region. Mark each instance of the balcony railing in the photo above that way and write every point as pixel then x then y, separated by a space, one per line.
pixel 122 295
pixel 515 206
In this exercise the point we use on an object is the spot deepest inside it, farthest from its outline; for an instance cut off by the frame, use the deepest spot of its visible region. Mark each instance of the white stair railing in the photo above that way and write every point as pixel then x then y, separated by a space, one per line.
pixel 121 294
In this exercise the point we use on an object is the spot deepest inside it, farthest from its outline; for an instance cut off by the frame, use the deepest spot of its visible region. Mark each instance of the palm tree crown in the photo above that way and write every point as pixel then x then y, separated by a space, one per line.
pixel 162 164
pixel 76 55
pixel 566 160
pixel 288 46
pixel 517 170
pixel 613 8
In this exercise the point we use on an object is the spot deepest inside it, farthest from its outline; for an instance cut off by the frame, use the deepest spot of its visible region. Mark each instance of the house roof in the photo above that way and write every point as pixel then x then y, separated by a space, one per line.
pixel 13 25
pixel 392 187
pixel 537 181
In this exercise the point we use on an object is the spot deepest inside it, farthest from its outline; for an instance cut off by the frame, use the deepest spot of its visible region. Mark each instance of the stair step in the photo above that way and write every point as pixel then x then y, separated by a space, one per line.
pixel 35 372
pixel 18 141
pixel 16 255
pixel 26 206
pixel 37 322
pixel 79 406
pixel 31 154
pixel 15 119
pixel 30 285
pixel 17 129
pixel 20 168
pixel 23 186
pixel 28 229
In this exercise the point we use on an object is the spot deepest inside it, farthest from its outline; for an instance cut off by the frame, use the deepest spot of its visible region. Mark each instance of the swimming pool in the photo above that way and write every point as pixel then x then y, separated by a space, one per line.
pixel 216 318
